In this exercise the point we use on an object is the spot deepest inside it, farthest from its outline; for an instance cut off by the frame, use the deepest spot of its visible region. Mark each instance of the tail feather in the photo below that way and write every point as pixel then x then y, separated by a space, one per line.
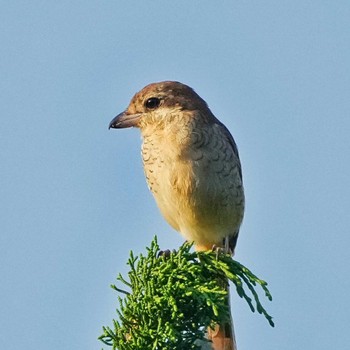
pixel 223 336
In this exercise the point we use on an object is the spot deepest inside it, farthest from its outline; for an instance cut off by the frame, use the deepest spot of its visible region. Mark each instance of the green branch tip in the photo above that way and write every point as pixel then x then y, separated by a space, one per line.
pixel 171 299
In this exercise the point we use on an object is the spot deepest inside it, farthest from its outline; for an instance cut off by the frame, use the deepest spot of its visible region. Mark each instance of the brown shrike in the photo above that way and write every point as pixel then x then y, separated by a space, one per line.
pixel 191 164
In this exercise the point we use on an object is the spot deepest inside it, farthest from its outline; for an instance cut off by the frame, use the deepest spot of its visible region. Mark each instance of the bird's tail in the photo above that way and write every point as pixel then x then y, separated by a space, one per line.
pixel 223 335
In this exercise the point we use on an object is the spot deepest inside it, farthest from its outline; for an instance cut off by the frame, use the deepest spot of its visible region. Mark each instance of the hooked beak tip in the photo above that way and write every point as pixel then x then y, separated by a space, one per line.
pixel 124 120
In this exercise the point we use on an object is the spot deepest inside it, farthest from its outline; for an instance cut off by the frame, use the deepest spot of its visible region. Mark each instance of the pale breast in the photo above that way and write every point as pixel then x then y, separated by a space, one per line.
pixel 194 176
pixel 169 178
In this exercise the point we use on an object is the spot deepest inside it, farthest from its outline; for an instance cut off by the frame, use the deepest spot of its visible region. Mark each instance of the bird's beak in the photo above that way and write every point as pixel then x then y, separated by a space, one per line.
pixel 124 120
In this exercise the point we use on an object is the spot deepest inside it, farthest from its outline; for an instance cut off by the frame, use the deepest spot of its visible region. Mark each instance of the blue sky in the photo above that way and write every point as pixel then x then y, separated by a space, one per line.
pixel 73 199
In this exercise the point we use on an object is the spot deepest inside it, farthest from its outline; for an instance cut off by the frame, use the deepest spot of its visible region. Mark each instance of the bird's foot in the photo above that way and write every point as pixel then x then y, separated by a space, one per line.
pixel 218 249
pixel 165 253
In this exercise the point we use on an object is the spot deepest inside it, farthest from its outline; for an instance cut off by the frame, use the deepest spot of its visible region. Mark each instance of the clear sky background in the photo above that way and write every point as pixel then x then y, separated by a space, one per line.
pixel 73 199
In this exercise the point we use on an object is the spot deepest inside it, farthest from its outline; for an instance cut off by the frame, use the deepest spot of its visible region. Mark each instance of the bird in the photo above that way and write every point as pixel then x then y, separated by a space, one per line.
pixel 191 164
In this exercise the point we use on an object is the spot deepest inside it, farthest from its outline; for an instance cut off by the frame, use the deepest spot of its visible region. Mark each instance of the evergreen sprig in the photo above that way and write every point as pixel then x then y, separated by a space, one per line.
pixel 173 298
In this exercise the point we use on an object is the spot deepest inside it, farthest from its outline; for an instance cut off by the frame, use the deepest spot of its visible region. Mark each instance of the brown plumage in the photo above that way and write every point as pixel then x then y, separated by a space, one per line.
pixel 191 165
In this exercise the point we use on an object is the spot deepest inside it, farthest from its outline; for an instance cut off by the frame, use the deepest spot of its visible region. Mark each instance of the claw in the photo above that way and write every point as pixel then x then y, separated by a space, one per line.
pixel 164 253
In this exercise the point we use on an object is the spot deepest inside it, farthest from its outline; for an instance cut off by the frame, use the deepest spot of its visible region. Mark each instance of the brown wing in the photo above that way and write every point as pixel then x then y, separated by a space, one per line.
pixel 231 240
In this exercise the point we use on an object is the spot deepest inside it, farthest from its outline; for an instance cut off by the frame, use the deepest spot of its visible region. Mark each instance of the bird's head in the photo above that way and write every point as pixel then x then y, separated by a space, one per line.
pixel 157 103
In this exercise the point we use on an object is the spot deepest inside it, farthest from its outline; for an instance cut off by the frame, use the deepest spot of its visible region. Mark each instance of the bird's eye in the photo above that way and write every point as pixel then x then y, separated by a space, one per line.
pixel 152 103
